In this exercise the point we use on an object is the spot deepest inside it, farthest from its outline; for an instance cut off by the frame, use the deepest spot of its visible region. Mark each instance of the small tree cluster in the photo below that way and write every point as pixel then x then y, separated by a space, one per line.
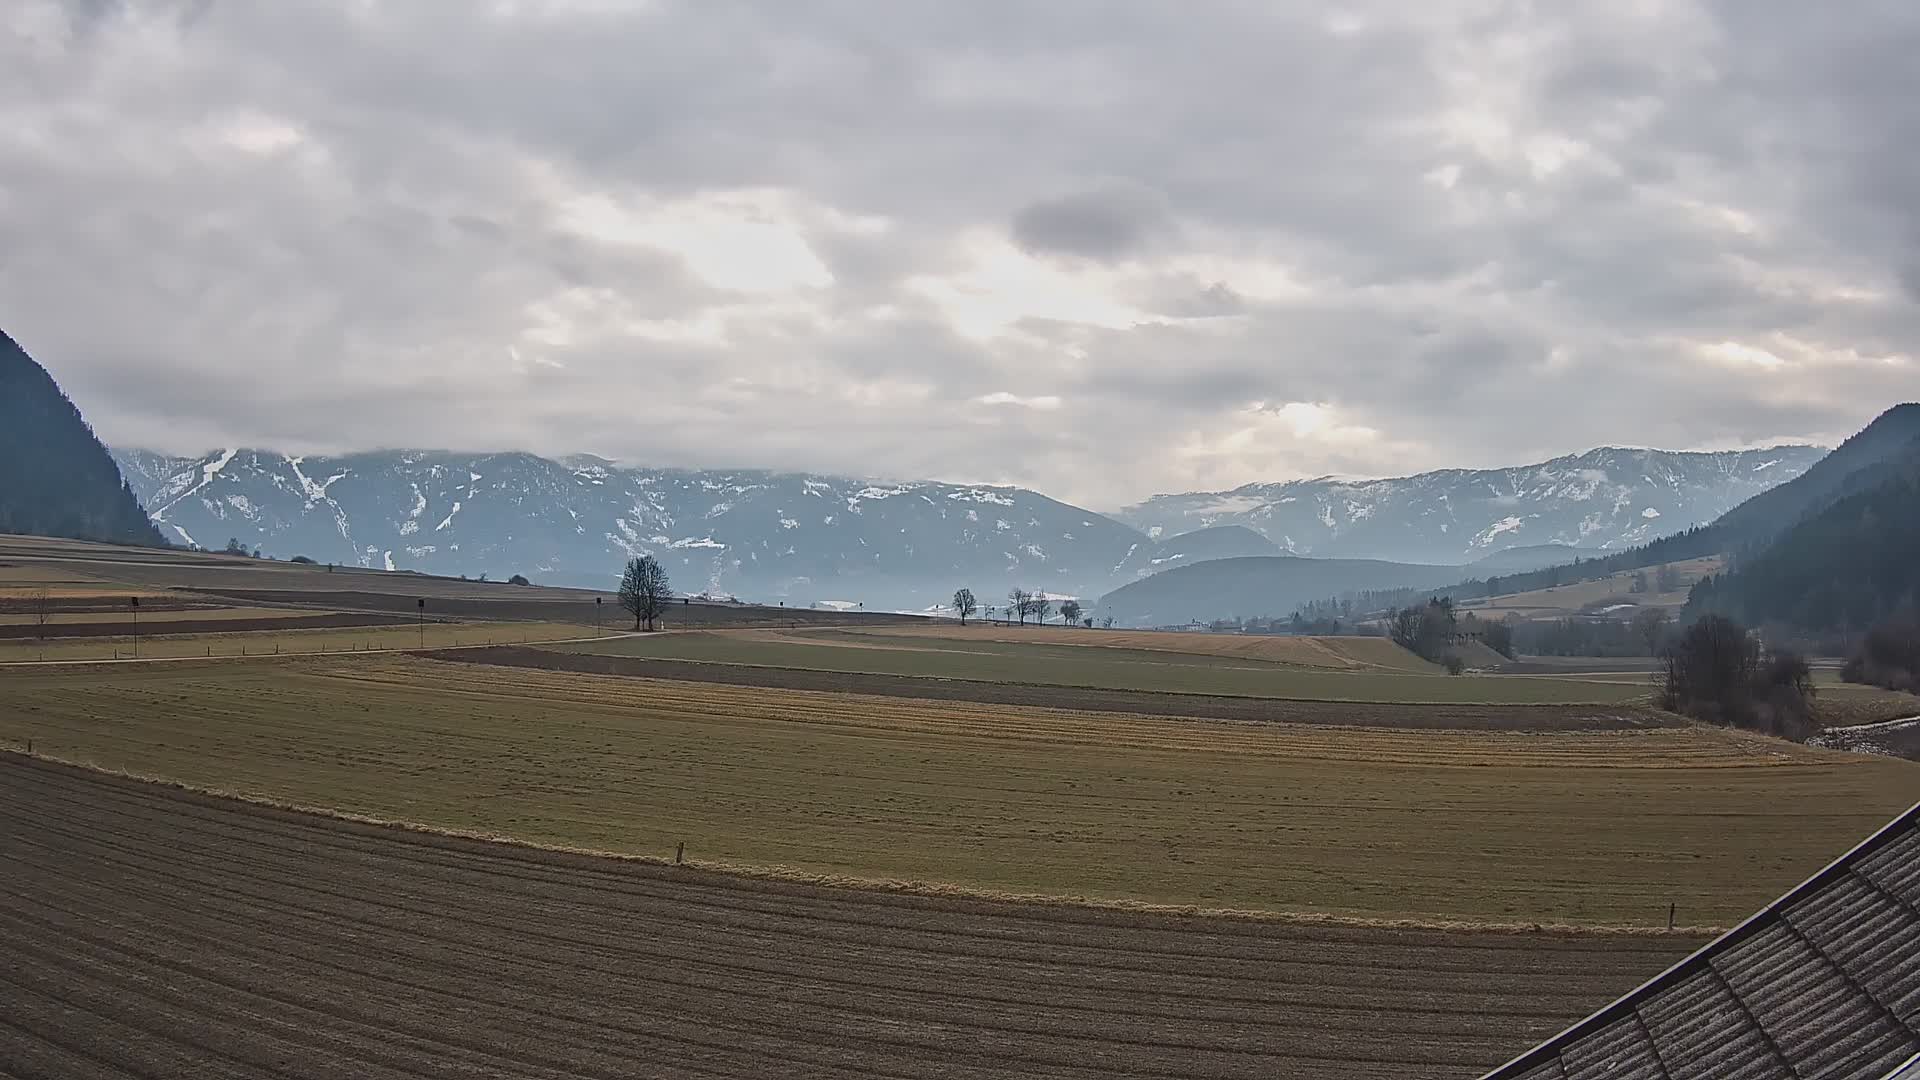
pixel 643 591
pixel 1023 604
pixel 1427 630
pixel 1714 671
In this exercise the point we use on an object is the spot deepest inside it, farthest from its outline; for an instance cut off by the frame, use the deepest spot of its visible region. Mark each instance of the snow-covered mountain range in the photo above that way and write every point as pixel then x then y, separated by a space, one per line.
pixel 804 538
pixel 1603 499
pixel 765 536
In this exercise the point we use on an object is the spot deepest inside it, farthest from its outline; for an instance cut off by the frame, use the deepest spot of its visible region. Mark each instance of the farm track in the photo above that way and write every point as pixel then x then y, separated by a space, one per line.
pixel 150 931
pixel 1080 698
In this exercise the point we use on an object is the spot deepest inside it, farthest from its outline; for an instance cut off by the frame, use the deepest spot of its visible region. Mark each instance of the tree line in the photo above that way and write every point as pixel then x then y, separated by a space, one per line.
pixel 1023 604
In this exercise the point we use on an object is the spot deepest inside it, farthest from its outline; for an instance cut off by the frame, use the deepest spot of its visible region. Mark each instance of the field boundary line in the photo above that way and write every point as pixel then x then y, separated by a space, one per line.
pixel 1620 707
pixel 899 887
pixel 414 649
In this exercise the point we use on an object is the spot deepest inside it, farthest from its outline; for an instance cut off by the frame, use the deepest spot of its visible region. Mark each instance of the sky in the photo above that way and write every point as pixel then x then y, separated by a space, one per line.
pixel 1102 248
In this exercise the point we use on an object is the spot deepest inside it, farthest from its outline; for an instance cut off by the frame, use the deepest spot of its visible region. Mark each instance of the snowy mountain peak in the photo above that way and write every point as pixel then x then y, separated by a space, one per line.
pixel 755 534
pixel 1606 498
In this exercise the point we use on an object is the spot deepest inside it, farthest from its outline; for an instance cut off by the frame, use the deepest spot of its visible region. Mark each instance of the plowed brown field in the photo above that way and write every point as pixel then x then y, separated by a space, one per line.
pixel 1347 653
pixel 1576 826
pixel 147 931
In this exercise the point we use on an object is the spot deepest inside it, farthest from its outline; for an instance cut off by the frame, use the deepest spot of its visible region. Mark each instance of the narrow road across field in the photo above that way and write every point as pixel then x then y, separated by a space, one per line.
pixel 151 932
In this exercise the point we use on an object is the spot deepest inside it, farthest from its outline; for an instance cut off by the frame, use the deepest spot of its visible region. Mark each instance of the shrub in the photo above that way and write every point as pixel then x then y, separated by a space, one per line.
pixel 1454 664
pixel 1714 673
pixel 302 560
pixel 518 579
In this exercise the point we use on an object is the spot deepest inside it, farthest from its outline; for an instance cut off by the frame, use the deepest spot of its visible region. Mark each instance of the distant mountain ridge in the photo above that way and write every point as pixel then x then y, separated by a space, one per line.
pixel 805 538
pixel 797 537
pixel 55 477
pixel 1827 549
pixel 1261 586
pixel 1602 500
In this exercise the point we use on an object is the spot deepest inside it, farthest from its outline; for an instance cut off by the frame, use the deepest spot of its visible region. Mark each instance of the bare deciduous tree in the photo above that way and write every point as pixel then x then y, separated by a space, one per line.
pixel 964 604
pixel 1040 606
pixel 1020 604
pixel 1070 612
pixel 643 590
pixel 40 603
pixel 1650 624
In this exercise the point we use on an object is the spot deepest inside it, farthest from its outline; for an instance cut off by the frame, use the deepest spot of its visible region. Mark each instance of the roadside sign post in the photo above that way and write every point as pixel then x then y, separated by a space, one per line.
pixel 423 621
pixel 133 605
pixel 596 614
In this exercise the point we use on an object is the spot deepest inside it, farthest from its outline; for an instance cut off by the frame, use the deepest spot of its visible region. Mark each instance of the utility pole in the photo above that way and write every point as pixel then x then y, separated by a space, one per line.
pixel 597 601
pixel 423 621
pixel 133 604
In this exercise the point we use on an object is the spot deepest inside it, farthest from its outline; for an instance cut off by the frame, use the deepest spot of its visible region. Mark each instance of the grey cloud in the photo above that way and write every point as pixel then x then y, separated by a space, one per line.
pixel 1108 222
pixel 1738 172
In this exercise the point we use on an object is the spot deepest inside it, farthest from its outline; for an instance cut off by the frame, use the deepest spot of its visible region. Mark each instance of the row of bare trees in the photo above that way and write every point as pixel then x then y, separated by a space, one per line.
pixel 1022 605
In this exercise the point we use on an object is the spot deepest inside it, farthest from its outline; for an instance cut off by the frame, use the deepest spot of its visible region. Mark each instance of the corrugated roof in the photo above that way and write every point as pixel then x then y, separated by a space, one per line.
pixel 1909 1071
pixel 1825 982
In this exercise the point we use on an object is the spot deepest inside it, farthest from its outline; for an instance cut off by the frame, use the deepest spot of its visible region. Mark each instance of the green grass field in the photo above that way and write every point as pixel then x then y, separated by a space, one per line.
pixel 1584 827
pixel 1037 661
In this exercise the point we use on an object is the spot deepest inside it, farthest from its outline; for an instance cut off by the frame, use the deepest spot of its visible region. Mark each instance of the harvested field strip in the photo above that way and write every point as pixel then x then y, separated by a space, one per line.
pixel 152 929
pixel 1038 664
pixel 1577 827
pixel 1302 651
pixel 339 632
pixel 195 622
pixel 1089 699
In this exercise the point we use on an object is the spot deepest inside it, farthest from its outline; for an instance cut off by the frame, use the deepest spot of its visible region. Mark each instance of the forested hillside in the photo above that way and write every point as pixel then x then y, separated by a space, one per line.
pixel 1845 568
pixel 55 477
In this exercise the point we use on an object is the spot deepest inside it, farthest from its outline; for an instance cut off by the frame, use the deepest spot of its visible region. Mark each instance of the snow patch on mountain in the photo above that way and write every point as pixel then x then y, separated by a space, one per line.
pixel 1606 499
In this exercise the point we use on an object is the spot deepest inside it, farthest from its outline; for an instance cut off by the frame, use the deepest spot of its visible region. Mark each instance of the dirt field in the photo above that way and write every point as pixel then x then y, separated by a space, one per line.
pixel 1343 653
pixel 354 632
pixel 110 572
pixel 1576 827
pixel 1088 699
pixel 146 931
pixel 234 621
pixel 1035 661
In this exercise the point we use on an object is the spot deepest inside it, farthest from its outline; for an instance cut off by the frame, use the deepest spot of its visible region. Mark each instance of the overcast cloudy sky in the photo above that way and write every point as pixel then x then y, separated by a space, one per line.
pixel 1102 248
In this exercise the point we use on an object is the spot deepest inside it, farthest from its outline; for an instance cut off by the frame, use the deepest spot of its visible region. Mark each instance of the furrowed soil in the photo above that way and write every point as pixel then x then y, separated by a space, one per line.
pixel 1037 661
pixel 1587 827
pixel 147 931
pixel 1082 698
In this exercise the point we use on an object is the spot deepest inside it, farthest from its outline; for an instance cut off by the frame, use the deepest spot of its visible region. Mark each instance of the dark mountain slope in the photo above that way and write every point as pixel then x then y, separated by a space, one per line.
pixel 55 477
pixel 1889 438
pixel 1858 464
pixel 1843 568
